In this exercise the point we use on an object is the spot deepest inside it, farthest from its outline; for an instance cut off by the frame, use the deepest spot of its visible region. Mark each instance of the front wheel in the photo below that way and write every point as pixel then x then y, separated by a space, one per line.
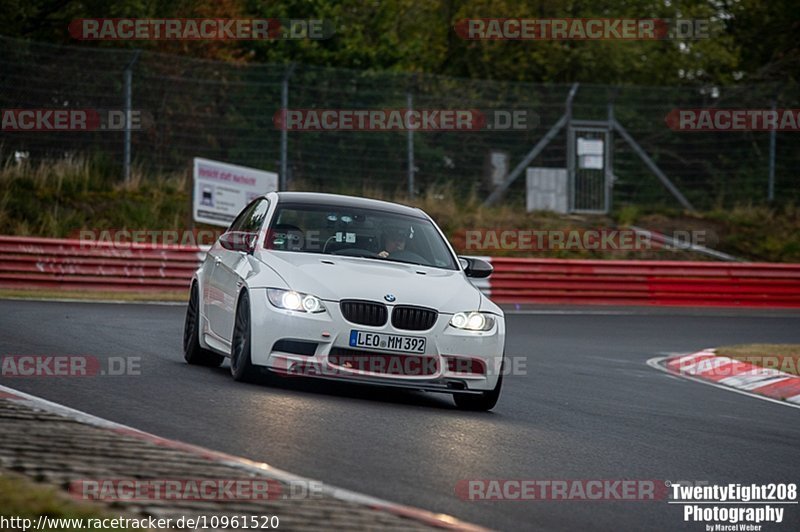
pixel 483 402
pixel 192 352
pixel 242 368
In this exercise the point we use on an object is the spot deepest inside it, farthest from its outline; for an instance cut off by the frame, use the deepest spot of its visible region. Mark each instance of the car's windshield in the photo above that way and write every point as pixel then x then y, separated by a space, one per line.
pixel 354 232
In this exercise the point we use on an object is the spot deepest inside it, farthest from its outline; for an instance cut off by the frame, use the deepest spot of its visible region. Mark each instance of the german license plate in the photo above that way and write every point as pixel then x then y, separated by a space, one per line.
pixel 387 342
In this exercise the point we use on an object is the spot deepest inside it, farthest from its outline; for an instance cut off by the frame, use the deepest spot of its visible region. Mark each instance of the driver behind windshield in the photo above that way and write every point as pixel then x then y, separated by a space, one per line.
pixel 394 241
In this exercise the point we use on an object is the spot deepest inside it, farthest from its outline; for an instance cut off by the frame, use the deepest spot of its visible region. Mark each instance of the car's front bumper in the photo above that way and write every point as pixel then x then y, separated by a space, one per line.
pixel 331 334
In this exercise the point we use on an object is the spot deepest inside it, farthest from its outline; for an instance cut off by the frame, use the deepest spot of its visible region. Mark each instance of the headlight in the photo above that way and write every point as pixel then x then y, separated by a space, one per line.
pixel 297 301
pixel 472 321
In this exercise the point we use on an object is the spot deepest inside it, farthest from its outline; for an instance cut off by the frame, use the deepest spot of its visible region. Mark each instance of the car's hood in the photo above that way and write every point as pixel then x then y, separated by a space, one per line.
pixel 336 277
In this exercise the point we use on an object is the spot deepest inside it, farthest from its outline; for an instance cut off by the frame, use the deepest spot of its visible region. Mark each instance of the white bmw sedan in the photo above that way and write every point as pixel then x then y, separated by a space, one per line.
pixel 350 289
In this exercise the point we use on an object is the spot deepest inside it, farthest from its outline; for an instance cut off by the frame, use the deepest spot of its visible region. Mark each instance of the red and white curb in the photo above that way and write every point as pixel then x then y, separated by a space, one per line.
pixel 742 377
pixel 423 516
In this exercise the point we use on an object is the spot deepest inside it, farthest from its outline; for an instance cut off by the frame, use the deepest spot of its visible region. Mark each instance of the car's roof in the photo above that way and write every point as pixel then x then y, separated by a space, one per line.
pixel 341 201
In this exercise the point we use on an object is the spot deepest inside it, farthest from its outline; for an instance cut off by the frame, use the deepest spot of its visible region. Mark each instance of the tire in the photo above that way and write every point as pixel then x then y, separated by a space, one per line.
pixel 192 352
pixel 242 368
pixel 483 402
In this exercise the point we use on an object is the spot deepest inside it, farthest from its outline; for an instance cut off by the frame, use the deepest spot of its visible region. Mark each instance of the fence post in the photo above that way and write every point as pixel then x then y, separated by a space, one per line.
pixel 283 176
pixel 549 136
pixel 772 141
pixel 609 164
pixel 128 81
pixel 570 148
pixel 410 148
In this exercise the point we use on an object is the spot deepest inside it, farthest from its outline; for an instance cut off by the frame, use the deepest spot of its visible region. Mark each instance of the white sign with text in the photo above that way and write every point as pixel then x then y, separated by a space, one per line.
pixel 222 190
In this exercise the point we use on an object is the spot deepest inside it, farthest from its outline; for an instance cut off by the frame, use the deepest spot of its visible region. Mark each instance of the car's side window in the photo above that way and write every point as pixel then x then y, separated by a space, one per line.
pixel 239 221
pixel 251 218
pixel 255 219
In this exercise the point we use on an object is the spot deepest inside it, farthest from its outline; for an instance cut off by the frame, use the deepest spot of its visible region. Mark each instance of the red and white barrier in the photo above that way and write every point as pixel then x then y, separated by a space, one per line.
pixel 96 265
pixel 65 264
pixel 620 282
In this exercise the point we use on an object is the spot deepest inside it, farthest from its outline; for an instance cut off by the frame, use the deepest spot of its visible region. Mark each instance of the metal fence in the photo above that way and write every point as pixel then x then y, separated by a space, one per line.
pixel 225 111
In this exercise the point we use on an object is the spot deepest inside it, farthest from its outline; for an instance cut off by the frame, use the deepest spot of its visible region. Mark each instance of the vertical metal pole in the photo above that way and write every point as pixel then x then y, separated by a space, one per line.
pixel 571 190
pixel 536 150
pixel 609 163
pixel 128 80
pixel 570 185
pixel 773 134
pixel 410 148
pixel 127 149
pixel 283 176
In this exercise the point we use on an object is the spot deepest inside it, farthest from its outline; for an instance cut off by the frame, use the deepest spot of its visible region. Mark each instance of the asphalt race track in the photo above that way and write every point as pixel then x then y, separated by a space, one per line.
pixel 588 408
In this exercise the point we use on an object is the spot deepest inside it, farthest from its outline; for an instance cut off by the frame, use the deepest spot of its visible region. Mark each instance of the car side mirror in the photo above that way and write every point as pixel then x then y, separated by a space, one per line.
pixel 238 241
pixel 474 267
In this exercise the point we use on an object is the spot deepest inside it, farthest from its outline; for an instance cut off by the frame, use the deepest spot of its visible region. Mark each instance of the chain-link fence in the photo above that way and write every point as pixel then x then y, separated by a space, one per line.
pixel 226 111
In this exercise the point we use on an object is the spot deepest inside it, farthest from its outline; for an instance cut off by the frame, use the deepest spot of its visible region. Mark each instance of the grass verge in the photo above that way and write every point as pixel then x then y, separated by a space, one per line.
pixel 783 357
pixel 25 499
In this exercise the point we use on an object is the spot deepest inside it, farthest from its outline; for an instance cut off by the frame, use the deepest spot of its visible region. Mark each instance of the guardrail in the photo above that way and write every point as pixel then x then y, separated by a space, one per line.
pixel 620 282
pixel 90 265
pixel 85 265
